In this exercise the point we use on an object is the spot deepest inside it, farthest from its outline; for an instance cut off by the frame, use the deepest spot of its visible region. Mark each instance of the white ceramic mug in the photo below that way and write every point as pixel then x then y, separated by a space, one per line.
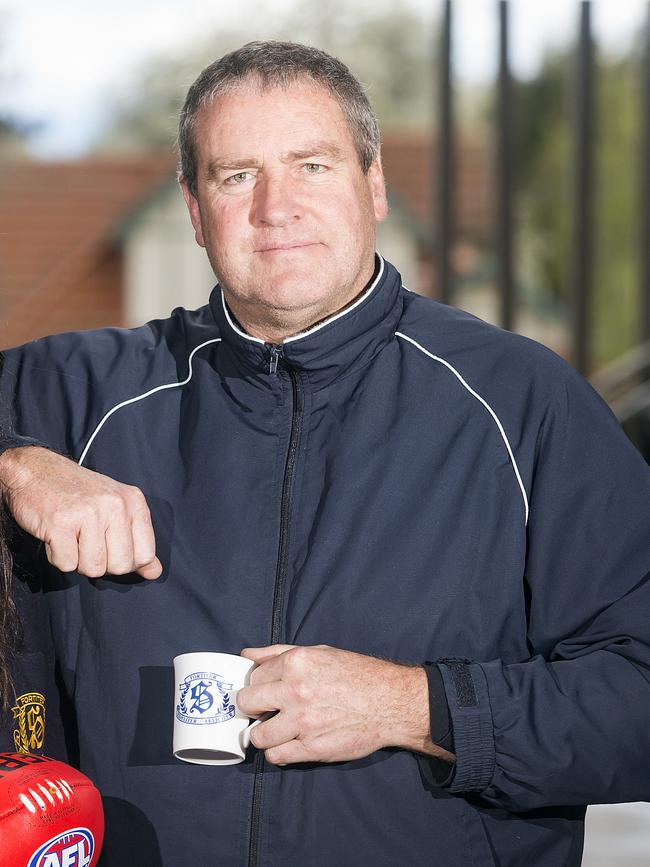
pixel 209 728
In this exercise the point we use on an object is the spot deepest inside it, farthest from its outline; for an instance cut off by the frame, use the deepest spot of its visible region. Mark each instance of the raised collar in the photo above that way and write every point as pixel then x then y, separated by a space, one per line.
pixel 335 346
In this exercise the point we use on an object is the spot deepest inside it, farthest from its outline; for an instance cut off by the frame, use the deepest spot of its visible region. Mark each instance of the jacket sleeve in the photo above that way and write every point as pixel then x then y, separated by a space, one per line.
pixel 56 389
pixel 46 391
pixel 10 440
pixel 569 724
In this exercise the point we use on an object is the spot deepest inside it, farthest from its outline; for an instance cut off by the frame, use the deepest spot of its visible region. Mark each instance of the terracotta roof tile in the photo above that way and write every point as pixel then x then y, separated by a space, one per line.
pixel 55 220
pixel 409 165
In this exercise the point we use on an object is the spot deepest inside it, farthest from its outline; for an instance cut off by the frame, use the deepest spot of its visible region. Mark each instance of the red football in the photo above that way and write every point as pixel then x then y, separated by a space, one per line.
pixel 50 814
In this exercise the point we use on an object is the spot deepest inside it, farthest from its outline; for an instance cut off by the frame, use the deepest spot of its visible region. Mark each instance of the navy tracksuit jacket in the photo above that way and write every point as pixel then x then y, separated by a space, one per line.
pixel 401 480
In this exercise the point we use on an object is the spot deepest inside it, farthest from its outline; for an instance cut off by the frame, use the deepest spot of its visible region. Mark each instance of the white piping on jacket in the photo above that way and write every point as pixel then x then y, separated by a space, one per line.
pixel 241 333
pixel 485 404
pixel 146 394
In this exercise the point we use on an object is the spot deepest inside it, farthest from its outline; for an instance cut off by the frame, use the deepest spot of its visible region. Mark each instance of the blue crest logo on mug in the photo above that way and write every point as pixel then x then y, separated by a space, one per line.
pixel 204 699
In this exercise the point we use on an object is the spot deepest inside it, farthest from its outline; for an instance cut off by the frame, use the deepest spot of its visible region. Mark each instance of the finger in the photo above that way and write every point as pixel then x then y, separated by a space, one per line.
pixel 273 669
pixel 144 541
pixel 63 551
pixel 278 730
pixel 292 753
pixel 255 700
pixel 261 654
pixel 119 546
pixel 322 748
pixel 151 570
pixel 92 550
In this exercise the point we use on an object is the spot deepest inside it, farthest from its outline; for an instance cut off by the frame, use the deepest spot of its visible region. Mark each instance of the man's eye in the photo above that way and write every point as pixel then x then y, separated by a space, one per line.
pixel 238 178
pixel 314 168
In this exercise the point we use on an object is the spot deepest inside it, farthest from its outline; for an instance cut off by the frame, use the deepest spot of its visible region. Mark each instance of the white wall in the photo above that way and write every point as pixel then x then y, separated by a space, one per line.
pixel 164 266
pixel 395 244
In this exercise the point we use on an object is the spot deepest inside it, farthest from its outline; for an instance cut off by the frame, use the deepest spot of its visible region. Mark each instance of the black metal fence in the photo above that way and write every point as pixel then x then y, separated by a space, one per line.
pixel 584 142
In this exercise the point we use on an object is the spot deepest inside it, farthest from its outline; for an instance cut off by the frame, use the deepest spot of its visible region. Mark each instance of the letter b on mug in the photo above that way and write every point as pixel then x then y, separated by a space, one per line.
pixel 208 726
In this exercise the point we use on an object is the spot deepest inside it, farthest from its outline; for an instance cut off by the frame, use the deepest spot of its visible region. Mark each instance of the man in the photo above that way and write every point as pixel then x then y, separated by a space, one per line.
pixel 339 473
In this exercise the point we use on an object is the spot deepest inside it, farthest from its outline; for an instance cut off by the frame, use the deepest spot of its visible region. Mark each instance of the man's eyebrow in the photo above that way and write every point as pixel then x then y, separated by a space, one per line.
pixel 317 148
pixel 234 164
pixel 224 164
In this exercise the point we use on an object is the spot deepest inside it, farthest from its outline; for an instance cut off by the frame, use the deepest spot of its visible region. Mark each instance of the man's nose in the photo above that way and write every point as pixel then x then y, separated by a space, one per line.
pixel 275 201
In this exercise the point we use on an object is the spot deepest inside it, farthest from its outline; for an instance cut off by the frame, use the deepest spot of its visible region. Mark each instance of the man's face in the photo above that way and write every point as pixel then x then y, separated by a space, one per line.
pixel 283 208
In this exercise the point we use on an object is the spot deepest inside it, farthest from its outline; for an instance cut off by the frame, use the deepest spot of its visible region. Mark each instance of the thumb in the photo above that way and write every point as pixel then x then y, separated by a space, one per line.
pixel 151 570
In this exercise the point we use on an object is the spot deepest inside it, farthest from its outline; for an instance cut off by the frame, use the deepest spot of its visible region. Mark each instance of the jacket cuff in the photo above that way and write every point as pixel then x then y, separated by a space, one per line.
pixel 440 727
pixel 436 771
pixel 471 715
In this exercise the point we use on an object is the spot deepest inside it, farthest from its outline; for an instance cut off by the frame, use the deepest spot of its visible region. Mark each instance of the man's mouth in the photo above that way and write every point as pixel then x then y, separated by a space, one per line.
pixel 286 247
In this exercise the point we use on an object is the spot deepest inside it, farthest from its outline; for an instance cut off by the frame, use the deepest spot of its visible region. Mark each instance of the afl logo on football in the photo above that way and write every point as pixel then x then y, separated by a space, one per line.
pixel 74 848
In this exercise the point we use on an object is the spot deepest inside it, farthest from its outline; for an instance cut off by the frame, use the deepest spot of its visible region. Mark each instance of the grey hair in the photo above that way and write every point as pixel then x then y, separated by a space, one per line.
pixel 278 64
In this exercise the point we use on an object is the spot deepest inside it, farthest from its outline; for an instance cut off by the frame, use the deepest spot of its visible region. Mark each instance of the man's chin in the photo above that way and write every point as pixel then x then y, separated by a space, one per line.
pixel 292 291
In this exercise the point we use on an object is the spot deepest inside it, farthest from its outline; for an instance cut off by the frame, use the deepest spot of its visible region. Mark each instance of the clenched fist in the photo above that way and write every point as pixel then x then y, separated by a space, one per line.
pixel 88 522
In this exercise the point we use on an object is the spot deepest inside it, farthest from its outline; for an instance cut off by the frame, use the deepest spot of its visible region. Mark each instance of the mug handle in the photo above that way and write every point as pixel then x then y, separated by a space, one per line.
pixel 245 736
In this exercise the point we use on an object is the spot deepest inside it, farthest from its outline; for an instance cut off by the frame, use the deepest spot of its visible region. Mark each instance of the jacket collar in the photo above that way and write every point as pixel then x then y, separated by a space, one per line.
pixel 348 339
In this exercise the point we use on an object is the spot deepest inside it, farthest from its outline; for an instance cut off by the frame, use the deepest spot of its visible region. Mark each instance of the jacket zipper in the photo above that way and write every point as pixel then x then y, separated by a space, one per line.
pixel 280 572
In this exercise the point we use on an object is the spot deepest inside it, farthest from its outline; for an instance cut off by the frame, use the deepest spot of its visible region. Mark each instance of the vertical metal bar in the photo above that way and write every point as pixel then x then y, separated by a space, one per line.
pixel 504 174
pixel 645 184
pixel 443 239
pixel 584 191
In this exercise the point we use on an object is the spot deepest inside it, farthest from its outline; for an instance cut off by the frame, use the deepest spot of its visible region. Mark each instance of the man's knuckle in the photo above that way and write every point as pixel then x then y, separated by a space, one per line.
pixel 144 556
pixel 121 567
pixel 312 753
pixel 273 757
pixel 93 558
pixel 64 563
pixel 113 502
pixel 296 687
pixel 134 497
pixel 63 519
pixel 303 691
pixel 296 659
pixel 258 739
pixel 306 720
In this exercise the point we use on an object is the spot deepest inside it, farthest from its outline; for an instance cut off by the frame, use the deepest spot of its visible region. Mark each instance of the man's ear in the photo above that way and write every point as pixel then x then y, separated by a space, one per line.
pixel 377 186
pixel 195 214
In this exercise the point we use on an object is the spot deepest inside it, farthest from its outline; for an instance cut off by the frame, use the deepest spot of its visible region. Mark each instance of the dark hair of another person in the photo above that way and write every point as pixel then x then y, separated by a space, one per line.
pixel 9 623
pixel 278 64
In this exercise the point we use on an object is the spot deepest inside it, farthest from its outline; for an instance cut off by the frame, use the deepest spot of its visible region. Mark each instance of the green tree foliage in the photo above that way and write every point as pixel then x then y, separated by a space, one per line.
pixel 543 178
pixel 618 253
pixel 545 182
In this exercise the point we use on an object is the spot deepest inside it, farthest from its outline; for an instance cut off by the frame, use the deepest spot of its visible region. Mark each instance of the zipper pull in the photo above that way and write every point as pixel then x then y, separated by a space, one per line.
pixel 276 352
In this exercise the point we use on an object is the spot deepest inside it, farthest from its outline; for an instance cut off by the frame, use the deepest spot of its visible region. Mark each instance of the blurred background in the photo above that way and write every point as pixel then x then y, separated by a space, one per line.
pixel 516 145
